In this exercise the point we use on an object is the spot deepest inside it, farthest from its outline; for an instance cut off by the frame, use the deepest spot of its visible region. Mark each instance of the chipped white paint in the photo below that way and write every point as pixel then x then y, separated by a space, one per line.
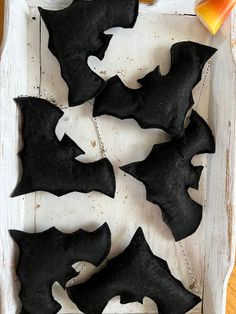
pixel 163 6
pixel 220 212
pixel 13 81
pixel 233 34
pixel 211 250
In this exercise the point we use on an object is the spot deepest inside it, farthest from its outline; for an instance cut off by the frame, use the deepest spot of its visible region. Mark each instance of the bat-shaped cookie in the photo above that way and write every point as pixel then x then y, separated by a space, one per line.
pixel 167 174
pixel 134 274
pixel 48 257
pixel 49 164
pixel 162 101
pixel 77 32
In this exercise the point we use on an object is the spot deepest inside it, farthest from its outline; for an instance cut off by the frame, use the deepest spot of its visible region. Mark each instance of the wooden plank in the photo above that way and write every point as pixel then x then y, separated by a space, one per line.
pixel 233 34
pixel 220 237
pixel 163 6
pixel 13 78
pixel 50 4
pixel 33 89
pixel 173 6
pixel 1 19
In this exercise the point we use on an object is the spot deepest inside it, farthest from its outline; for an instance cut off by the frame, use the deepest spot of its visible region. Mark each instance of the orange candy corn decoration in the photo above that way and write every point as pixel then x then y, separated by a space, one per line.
pixel 147 1
pixel 213 13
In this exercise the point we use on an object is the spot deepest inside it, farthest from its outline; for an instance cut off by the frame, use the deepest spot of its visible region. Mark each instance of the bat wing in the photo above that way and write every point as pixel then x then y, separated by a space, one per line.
pixel 134 274
pixel 83 36
pixel 48 257
pixel 132 169
pixel 162 101
pixel 49 164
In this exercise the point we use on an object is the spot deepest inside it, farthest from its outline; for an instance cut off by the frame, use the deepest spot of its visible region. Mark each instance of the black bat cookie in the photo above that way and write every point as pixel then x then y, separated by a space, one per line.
pixel 77 32
pixel 162 101
pixel 48 257
pixel 49 164
pixel 134 274
pixel 167 174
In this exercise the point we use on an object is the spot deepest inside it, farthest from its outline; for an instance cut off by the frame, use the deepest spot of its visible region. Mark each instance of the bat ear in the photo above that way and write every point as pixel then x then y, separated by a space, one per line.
pixel 140 241
pixel 19 190
pixel 45 14
pixel 201 53
pixel 103 233
pixel 21 102
pixel 103 236
pixel 150 76
pixel 17 236
pixel 204 53
pixel 203 132
pixel 23 187
pixel 101 52
pixel 131 169
pixel 103 229
pixel 139 234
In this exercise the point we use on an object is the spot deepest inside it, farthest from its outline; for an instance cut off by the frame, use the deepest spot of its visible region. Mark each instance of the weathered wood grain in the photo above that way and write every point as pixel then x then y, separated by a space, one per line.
pixel 220 237
pixel 13 81
pixel 1 19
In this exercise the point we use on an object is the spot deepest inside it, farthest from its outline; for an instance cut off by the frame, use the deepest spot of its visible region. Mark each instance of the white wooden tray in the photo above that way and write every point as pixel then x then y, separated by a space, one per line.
pixel 28 68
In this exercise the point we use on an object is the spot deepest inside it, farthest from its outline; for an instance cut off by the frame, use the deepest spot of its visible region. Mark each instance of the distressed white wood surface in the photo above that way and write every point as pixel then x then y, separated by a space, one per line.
pixel 210 250
pixel 164 6
pixel 13 81
pixel 220 212
pixel 233 34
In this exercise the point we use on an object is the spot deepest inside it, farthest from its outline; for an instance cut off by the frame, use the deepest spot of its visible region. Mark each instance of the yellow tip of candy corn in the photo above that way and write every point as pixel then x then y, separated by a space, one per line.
pixel 212 13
